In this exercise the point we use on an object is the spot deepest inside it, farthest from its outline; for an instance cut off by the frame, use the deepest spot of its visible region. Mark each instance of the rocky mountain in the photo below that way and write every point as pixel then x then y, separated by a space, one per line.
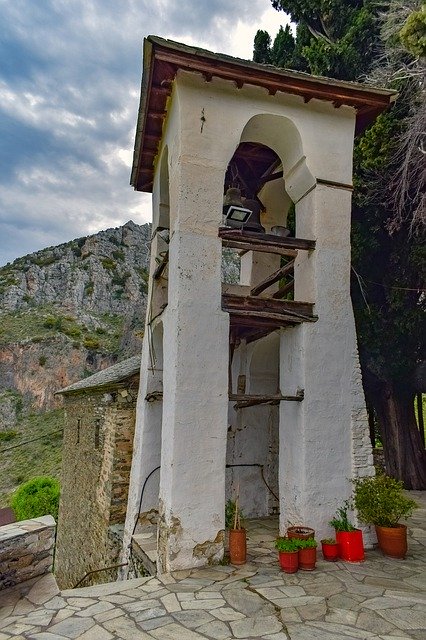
pixel 65 312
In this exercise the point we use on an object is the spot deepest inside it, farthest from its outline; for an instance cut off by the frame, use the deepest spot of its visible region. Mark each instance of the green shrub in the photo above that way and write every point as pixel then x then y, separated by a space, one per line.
pixel 7 436
pixel 230 507
pixel 287 544
pixel 42 361
pixel 108 264
pixel 91 343
pixel 89 287
pixel 37 497
pixel 380 500
pixel 118 255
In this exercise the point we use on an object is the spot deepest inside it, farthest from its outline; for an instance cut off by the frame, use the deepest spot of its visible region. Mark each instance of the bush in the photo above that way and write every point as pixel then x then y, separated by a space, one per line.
pixel 37 497
pixel 380 500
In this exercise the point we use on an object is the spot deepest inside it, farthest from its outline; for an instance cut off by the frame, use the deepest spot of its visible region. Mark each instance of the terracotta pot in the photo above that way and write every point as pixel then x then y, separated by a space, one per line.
pixel 307 559
pixel 351 545
pixel 330 552
pixel 300 532
pixel 237 546
pixel 289 561
pixel 393 540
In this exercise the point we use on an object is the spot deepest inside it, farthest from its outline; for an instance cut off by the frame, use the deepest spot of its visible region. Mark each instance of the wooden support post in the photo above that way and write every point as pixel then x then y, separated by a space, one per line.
pixel 274 277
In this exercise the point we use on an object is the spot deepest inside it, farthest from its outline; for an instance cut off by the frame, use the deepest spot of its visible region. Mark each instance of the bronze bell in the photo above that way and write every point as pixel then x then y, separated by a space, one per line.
pixel 232 197
pixel 253 223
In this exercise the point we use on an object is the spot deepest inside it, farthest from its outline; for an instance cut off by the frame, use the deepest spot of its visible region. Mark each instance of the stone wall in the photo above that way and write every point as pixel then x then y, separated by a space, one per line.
pixel 97 451
pixel 26 550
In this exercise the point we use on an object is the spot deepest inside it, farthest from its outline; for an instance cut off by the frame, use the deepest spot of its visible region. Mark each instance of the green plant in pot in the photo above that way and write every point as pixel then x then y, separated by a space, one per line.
pixel 380 501
pixel 288 554
pixel 307 553
pixel 237 533
pixel 348 537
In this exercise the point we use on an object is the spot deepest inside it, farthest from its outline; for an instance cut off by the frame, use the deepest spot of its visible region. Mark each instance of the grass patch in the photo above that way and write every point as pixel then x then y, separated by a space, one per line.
pixel 40 457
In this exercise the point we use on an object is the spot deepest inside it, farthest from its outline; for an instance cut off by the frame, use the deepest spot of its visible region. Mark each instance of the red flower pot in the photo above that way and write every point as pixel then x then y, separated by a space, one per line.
pixel 289 561
pixel 330 552
pixel 307 559
pixel 237 546
pixel 351 545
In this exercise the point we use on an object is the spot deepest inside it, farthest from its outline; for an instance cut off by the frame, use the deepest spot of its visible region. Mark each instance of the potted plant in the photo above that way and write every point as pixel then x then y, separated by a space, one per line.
pixel 307 554
pixel 288 554
pixel 348 537
pixel 237 533
pixel 301 532
pixel 330 549
pixel 380 500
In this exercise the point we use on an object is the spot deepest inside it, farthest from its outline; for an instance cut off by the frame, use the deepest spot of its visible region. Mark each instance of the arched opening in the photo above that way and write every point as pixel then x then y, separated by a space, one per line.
pixel 160 240
pixel 268 166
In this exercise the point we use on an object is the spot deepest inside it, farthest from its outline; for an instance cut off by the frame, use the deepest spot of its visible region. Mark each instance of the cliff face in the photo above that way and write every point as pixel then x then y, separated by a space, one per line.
pixel 70 310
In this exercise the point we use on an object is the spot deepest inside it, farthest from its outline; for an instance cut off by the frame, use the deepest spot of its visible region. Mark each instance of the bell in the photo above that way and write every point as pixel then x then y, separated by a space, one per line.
pixel 234 212
pixel 253 223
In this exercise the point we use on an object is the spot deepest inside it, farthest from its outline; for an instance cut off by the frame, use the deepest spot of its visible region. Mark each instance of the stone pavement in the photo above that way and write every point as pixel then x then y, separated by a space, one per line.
pixel 380 599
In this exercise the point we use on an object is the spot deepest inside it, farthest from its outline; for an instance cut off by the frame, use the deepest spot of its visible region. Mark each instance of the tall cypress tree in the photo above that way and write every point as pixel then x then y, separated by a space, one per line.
pixel 342 39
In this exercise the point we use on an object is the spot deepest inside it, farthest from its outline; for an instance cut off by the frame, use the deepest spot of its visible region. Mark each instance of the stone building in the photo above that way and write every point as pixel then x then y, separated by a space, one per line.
pixel 97 451
pixel 263 374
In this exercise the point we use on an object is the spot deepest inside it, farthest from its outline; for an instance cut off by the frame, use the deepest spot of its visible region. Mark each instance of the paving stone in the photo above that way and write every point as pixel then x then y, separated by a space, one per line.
pixel 175 632
pixel 304 632
pixel 99 607
pixel 246 602
pixel 96 633
pixel 108 615
pixel 116 599
pixel 313 611
pixel 343 630
pixel 370 621
pixel 227 614
pixel 255 627
pixel 216 629
pixel 341 616
pixel 171 603
pixel 62 614
pixel 72 627
pixel 16 628
pixel 43 635
pixel 405 618
pixel 202 604
pixel 290 614
pixel 298 602
pixel 193 619
pixel 125 628
pixel 147 614
pixel 155 623
pixel 43 590
pixel 140 605
pixel 81 603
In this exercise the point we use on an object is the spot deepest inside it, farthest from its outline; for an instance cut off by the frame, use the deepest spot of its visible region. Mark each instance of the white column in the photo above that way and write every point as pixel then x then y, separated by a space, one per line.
pixel 196 335
pixel 316 442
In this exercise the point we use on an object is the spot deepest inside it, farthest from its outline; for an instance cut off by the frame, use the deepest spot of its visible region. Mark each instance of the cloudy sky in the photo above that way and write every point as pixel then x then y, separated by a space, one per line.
pixel 69 91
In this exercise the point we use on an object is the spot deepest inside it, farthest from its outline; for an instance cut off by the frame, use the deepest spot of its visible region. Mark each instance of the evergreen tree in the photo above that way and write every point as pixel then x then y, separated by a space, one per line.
pixel 343 39
pixel 262 47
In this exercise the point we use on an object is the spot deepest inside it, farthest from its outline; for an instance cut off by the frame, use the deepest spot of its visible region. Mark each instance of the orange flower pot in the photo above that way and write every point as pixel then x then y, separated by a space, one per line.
pixel 237 546
pixel 307 559
pixel 393 540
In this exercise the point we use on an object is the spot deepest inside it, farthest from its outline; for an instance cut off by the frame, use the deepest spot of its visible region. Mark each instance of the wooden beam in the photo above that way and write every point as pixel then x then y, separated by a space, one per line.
pixel 274 277
pixel 291 308
pixel 267 240
pixel 262 248
pixel 283 290
pixel 245 400
pixel 161 266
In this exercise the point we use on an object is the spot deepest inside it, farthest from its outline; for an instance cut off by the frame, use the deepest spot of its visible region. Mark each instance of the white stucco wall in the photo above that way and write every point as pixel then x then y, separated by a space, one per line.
pixel 322 440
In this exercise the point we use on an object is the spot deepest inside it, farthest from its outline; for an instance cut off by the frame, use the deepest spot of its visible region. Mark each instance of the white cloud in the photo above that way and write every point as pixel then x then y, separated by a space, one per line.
pixel 69 93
